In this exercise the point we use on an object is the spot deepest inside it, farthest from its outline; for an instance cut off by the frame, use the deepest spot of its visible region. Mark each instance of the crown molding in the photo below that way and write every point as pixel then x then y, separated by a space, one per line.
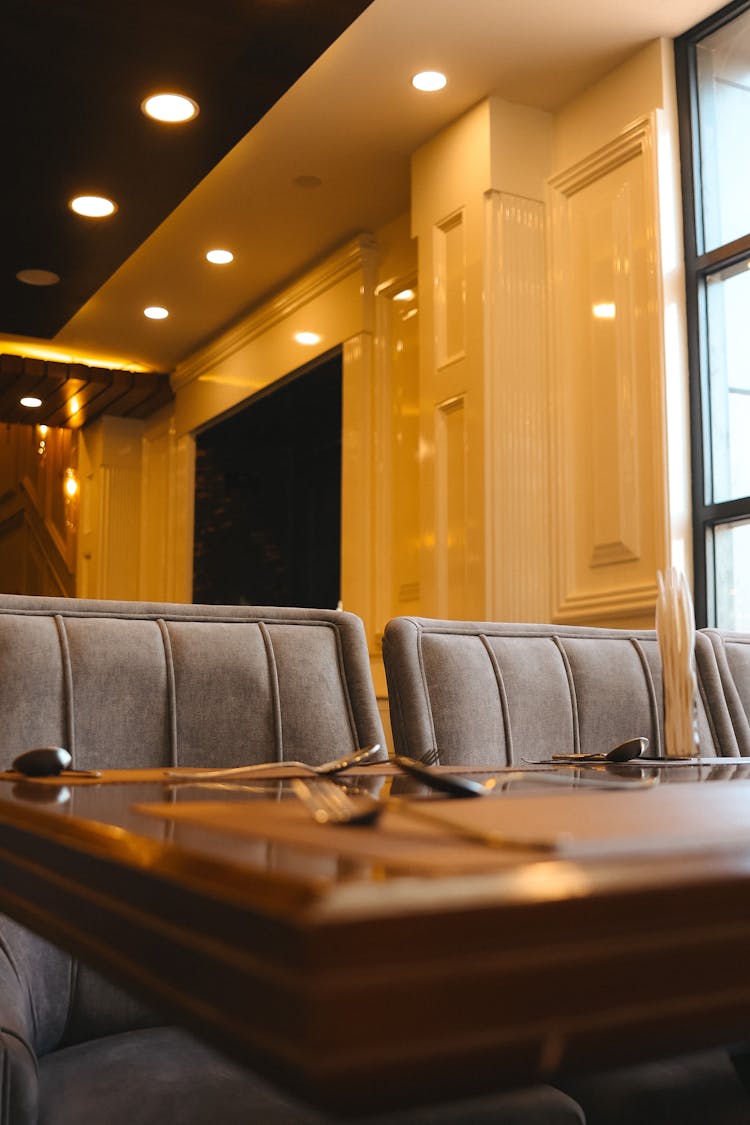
pixel 357 256
pixel 631 142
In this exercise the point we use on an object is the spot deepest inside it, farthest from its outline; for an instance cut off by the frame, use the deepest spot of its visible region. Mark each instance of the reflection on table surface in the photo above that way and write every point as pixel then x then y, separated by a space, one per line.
pixel 264 945
pixel 121 806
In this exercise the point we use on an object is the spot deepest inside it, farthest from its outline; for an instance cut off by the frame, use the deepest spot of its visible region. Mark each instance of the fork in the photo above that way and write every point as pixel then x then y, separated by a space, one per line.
pixel 366 756
pixel 330 804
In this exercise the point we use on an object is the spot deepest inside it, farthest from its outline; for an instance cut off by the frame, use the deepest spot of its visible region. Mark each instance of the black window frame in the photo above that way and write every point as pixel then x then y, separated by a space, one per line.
pixel 699 265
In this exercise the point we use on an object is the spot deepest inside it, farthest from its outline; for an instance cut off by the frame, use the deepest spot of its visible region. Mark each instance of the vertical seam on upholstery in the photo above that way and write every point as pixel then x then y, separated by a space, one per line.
pixel 67 685
pixel 504 709
pixel 344 683
pixel 275 694
pixel 573 694
pixel 72 989
pixel 171 690
pixel 651 689
pixel 420 660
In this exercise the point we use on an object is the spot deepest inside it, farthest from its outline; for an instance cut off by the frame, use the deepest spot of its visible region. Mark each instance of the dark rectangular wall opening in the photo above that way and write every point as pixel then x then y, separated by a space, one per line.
pixel 268 497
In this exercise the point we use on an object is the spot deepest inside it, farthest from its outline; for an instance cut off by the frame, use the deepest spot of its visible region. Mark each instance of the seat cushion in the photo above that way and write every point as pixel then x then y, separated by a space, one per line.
pixel 163 1076
pixel 696 1089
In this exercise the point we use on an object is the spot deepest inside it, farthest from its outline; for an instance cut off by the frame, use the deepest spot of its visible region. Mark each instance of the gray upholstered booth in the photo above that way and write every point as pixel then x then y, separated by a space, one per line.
pixel 497 693
pixel 123 684
pixel 139 685
pixel 502 694
pixel 723 660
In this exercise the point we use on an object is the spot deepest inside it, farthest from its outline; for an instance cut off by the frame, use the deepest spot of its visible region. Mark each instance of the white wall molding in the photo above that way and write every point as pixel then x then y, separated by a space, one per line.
pixel 622 603
pixel 357 256
pixel 634 140
pixel 608 385
pixel 517 410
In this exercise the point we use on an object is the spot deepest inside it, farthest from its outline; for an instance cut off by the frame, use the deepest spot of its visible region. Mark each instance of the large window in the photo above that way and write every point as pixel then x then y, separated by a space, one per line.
pixel 713 75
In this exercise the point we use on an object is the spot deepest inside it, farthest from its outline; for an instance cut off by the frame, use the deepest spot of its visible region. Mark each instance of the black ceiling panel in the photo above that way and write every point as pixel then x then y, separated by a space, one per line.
pixel 72 78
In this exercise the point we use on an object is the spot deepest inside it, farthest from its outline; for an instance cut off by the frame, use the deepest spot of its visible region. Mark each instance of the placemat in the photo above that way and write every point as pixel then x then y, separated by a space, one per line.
pixel 674 819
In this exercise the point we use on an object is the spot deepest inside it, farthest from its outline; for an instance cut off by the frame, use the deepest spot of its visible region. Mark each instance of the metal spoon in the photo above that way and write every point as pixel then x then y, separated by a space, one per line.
pixel 454 786
pixel 623 752
pixel 48 761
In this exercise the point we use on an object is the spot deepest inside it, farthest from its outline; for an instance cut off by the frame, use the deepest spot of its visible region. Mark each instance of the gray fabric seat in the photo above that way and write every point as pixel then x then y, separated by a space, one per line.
pixel 502 694
pixel 140 685
pixel 723 661
pixel 163 1075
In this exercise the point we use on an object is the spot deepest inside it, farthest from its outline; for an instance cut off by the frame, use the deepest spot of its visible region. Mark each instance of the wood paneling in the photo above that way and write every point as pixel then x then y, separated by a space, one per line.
pixel 73 395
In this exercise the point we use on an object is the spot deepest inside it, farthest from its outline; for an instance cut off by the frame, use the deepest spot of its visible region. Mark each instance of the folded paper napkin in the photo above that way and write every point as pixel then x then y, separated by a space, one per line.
pixel 675 629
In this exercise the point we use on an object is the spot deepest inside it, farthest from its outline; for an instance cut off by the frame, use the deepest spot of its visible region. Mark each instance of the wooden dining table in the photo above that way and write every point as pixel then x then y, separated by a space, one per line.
pixel 403 961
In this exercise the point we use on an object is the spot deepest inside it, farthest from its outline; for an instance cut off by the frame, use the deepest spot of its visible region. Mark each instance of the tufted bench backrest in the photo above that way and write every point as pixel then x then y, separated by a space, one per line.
pixel 503 694
pixel 724 667
pixel 139 684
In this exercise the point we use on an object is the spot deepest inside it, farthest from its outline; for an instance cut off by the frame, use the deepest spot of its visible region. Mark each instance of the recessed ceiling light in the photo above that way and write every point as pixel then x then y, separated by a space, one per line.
pixel 405 295
pixel 309 182
pixel 30 401
pixel 307 337
pixel 156 312
pixel 38 277
pixel 604 311
pixel 171 108
pixel 429 80
pixel 92 206
pixel 220 257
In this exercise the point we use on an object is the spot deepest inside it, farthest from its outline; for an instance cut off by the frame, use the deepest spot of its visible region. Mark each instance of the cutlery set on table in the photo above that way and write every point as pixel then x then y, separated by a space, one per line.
pixel 336 800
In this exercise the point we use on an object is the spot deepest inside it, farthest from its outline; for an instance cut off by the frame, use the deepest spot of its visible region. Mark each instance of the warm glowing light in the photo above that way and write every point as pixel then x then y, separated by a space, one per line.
pixel 405 295
pixel 604 311
pixel 74 405
pixel 31 401
pixel 429 80
pixel 170 108
pixel 43 430
pixel 25 346
pixel 70 484
pixel 92 206
pixel 220 257
pixel 307 337
pixel 156 312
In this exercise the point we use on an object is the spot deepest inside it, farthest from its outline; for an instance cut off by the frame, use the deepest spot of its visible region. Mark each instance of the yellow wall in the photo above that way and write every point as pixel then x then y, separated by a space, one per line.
pixel 505 455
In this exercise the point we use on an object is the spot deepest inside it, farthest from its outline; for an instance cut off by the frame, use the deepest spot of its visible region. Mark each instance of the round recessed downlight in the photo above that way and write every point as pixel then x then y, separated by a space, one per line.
pixel 308 182
pixel 171 108
pixel 307 337
pixel 429 80
pixel 156 312
pixel 92 206
pixel 31 401
pixel 38 277
pixel 220 257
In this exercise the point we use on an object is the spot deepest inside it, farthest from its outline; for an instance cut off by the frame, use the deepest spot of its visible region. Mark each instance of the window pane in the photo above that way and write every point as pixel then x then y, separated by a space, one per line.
pixel 728 301
pixel 723 66
pixel 732 571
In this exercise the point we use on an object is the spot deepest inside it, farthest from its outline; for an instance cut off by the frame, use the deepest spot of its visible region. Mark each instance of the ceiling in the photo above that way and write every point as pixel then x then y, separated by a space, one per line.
pixel 306 126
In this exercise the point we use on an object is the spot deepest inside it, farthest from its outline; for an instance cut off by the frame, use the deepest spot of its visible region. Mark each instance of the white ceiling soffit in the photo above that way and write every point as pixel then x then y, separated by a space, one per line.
pixel 352 121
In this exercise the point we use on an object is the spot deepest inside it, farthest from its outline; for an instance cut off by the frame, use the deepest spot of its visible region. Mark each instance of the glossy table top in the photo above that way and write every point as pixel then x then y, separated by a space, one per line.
pixel 327 956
